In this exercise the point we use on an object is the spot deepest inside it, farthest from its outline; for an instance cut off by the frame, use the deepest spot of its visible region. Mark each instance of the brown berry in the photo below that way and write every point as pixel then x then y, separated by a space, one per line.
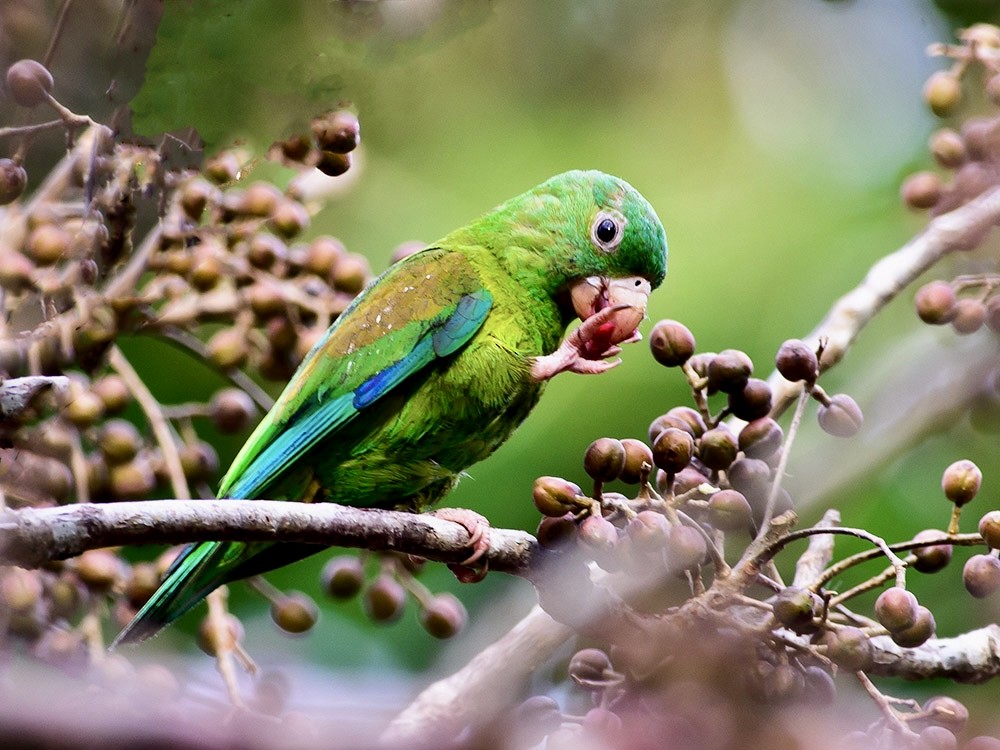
pixel 921 190
pixel 289 218
pixel 295 612
pixel 795 608
pixel 686 549
pixel 343 577
pixel 99 568
pixel 717 448
pixel 849 648
pixel 638 461
pixel 333 164
pixel 728 371
pixel 554 533
pixel 752 402
pixel 917 634
pixel 968 316
pixel 796 361
pixel 896 609
pixel 934 557
pixel 113 392
pixel 671 343
pixel 195 196
pixel 47 244
pixel 119 441
pixel 228 348
pixel 989 528
pixel 555 496
pixel 20 589
pixel 323 254
pixel 935 302
pixel 590 667
pixel 942 92
pixel 85 409
pixel 444 616
pixel 604 460
pixel 961 481
pixel 131 481
pixel 673 450
pixel 728 510
pixel 385 599
pixel 761 438
pixel 232 410
pixel 648 532
pixel 981 575
pixel 213 640
pixel 339 131
pixel 598 533
pixel 143 580
pixel 841 417
pixel 945 711
pixel 28 83
pixel 948 148
pixel 13 180
pixel 351 273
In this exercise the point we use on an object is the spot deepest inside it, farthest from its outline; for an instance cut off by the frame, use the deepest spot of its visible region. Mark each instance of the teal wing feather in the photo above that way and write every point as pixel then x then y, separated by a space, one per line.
pixel 377 344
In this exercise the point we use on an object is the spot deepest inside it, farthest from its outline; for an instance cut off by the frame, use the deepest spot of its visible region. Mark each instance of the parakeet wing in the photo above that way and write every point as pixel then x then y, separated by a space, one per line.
pixel 417 312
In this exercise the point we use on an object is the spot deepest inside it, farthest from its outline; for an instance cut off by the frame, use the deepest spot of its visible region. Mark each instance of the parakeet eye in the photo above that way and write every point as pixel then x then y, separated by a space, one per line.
pixel 607 230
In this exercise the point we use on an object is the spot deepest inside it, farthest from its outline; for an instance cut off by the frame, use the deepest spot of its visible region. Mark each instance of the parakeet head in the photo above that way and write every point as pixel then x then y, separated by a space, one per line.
pixel 588 239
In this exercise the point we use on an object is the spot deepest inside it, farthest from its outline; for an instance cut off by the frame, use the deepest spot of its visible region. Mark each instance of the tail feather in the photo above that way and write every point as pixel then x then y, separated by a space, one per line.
pixel 197 570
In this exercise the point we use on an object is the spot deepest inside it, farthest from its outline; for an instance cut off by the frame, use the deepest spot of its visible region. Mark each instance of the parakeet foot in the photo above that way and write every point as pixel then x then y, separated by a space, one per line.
pixel 474 567
pixel 585 349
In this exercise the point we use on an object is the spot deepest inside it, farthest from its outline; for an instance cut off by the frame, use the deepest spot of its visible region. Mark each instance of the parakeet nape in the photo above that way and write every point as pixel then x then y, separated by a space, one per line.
pixel 435 364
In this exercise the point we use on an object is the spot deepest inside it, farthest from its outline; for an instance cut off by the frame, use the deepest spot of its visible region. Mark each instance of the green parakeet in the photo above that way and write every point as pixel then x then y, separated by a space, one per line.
pixel 435 364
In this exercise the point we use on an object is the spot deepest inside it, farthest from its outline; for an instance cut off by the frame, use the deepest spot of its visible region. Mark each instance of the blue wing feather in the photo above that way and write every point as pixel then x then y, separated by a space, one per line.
pixel 322 418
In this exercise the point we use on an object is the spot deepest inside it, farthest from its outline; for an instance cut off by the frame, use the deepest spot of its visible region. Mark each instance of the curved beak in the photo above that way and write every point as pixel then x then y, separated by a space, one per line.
pixel 595 293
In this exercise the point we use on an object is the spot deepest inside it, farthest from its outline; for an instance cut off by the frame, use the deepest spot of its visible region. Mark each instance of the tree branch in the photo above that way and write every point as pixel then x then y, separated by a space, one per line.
pixel 30 537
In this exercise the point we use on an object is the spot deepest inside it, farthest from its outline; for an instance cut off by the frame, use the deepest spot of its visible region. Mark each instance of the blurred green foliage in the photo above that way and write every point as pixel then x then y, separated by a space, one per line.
pixel 770 137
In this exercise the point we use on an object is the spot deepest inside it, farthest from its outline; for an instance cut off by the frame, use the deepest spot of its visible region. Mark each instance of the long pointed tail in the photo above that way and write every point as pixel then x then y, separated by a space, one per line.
pixel 197 570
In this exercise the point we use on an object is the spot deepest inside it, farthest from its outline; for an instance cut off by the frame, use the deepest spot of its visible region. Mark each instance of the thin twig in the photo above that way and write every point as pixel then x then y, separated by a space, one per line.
pixel 154 415
pixel 786 450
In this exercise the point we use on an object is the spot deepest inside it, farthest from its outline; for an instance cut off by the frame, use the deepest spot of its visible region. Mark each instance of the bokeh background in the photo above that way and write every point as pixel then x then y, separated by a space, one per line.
pixel 771 138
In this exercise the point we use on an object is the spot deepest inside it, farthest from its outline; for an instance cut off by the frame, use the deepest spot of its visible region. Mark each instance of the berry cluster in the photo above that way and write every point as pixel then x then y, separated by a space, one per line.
pixel 702 484
pixel 972 154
